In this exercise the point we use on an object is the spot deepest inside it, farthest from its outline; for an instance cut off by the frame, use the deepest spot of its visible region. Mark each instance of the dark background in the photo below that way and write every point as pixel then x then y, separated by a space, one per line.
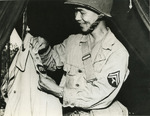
pixel 55 22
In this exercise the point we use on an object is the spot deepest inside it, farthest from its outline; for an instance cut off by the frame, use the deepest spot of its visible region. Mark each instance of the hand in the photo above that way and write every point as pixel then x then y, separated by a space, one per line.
pixel 38 44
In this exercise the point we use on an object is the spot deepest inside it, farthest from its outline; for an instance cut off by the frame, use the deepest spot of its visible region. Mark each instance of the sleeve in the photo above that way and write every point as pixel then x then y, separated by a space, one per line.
pixel 101 92
pixel 54 57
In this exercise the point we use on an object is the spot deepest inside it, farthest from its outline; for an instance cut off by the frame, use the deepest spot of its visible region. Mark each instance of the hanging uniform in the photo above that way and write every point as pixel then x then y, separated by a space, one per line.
pixel 109 61
pixel 21 86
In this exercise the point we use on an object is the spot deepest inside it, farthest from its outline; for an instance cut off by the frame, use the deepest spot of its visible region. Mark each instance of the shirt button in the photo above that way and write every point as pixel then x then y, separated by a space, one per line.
pixel 72 104
pixel 77 85
pixel 66 102
pixel 80 71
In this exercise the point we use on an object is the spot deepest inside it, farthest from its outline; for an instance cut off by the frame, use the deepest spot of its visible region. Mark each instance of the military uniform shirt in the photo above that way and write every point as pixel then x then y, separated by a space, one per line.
pixel 110 67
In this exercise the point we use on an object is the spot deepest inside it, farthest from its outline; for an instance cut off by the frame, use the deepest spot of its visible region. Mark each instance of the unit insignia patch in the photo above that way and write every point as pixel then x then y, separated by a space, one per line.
pixel 114 78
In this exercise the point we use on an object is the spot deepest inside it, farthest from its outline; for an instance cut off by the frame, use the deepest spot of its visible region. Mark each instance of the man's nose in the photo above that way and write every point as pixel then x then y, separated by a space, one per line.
pixel 78 16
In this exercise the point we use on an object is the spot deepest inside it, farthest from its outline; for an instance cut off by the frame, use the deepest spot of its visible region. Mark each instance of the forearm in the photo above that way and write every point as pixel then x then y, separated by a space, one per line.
pixel 47 59
pixel 48 85
pixel 85 98
pixel 53 58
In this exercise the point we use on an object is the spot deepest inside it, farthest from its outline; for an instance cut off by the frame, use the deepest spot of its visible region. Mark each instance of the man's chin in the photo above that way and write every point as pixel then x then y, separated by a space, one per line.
pixel 83 29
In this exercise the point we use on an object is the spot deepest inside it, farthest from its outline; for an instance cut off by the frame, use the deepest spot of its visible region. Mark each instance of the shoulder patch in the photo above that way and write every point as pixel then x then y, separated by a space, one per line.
pixel 114 78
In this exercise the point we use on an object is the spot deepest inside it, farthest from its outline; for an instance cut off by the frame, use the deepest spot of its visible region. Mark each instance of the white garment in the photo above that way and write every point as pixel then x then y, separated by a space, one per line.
pixel 24 98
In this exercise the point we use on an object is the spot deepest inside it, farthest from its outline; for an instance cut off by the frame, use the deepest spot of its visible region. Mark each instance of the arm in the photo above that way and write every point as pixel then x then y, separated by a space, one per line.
pixel 53 58
pixel 48 85
pixel 101 92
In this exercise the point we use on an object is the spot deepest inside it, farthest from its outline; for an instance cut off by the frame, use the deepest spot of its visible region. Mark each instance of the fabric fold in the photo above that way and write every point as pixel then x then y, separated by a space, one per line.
pixel 24 98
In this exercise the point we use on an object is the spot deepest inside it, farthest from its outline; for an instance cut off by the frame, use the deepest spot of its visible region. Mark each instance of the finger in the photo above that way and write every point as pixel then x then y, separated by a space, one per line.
pixel 33 41
pixel 42 46
pixel 41 43
pixel 36 45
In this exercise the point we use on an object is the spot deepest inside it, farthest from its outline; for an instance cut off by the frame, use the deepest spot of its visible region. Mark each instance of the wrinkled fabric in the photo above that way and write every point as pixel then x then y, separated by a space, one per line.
pixel 116 109
pixel 110 64
pixel 24 98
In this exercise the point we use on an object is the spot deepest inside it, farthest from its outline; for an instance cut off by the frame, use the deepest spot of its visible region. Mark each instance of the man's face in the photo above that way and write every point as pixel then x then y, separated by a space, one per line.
pixel 85 18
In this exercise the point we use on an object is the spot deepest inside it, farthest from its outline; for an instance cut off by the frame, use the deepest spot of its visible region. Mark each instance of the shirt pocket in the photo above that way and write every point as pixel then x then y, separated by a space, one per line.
pixel 101 59
pixel 75 77
pixel 99 63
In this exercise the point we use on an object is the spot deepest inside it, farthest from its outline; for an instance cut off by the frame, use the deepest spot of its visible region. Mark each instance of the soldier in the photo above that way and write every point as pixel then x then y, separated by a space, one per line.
pixel 95 63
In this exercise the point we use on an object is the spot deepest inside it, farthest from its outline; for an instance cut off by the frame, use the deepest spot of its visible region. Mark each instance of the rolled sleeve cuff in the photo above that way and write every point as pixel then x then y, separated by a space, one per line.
pixel 69 98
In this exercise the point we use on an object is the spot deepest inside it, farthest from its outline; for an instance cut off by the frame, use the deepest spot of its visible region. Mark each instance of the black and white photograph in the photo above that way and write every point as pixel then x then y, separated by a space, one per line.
pixel 74 58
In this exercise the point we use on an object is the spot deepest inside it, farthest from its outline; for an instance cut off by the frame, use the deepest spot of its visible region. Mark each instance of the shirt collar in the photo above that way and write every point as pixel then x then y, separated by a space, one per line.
pixel 84 38
pixel 107 42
